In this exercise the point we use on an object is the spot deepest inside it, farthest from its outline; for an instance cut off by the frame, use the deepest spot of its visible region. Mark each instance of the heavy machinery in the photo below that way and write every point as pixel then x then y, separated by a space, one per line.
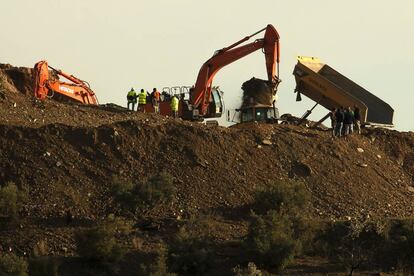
pixel 331 89
pixel 204 100
pixel 46 86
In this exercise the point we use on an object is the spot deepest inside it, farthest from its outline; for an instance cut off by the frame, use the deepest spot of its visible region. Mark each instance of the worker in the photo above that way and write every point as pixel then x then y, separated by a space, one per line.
pixel 333 121
pixel 142 100
pixel 357 120
pixel 348 121
pixel 339 118
pixel 174 106
pixel 155 99
pixel 132 98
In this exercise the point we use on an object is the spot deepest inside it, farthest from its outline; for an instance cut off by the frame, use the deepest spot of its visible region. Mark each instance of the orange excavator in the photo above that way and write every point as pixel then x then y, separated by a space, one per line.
pixel 45 86
pixel 204 100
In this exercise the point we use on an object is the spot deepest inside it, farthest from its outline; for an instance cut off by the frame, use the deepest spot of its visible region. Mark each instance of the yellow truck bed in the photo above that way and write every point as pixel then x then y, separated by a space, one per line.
pixel 328 87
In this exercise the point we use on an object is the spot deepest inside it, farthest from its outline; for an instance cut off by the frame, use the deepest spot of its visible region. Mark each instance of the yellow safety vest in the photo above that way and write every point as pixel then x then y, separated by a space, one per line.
pixel 174 104
pixel 131 96
pixel 142 98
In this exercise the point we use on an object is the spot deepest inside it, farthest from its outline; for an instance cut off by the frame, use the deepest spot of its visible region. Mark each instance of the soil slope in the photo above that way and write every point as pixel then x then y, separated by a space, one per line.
pixel 67 154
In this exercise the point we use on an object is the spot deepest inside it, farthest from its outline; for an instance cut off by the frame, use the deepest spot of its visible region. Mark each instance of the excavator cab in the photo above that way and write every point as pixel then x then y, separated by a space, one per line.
pixel 254 113
pixel 214 110
pixel 259 113
pixel 216 107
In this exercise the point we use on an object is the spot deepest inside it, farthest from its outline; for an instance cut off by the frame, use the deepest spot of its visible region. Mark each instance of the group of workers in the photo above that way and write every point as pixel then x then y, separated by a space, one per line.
pixel 345 121
pixel 155 98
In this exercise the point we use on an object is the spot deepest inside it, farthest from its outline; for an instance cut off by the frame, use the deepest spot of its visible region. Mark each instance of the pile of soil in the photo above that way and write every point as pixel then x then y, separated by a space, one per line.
pixel 16 79
pixel 256 91
pixel 67 154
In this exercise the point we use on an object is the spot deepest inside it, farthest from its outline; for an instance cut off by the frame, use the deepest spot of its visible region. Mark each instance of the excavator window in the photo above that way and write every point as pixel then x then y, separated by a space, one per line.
pixel 247 115
pixel 260 115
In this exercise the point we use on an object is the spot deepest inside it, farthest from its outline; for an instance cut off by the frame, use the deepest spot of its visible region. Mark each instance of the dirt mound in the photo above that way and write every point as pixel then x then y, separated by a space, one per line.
pixel 67 154
pixel 16 79
pixel 256 91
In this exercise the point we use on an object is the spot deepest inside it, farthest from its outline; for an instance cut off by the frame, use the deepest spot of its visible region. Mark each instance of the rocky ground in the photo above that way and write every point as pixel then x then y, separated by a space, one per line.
pixel 67 154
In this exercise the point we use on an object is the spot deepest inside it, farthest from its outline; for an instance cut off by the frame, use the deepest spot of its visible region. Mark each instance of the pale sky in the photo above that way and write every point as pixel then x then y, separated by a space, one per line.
pixel 116 45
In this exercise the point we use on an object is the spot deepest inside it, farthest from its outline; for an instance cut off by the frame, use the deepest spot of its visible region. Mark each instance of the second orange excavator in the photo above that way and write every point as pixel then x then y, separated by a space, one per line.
pixel 45 86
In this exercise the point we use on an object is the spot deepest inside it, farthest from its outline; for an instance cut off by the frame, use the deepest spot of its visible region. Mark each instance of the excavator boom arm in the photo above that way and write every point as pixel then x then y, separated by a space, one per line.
pixel 270 44
pixel 78 90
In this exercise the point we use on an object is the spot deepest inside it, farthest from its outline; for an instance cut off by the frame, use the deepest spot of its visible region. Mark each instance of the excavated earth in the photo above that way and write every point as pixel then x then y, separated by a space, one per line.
pixel 67 154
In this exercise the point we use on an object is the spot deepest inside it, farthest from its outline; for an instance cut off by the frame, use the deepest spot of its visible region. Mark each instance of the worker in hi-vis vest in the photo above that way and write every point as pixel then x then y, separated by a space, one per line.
pixel 174 106
pixel 142 100
pixel 132 98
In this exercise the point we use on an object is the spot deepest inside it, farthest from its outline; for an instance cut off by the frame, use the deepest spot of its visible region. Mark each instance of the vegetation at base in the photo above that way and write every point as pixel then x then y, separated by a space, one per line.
pixel 99 244
pixel 282 197
pixel 280 229
pixel 158 267
pixel 191 252
pixel 382 245
pixel 354 245
pixel 43 266
pixel 12 200
pixel 141 196
pixel 250 270
pixel 11 264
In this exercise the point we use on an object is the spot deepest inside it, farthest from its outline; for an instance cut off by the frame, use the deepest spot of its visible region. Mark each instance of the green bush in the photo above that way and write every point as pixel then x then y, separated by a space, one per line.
pixel 99 244
pixel 399 248
pixel 250 270
pixel 191 254
pixel 43 266
pixel 142 196
pixel 271 241
pixel 282 197
pixel 280 230
pixel 158 267
pixel 11 200
pixel 11 264
pixel 353 244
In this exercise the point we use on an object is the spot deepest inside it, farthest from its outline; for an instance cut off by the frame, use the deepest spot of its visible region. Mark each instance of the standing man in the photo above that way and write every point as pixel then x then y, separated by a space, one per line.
pixel 348 121
pixel 357 119
pixel 339 118
pixel 156 98
pixel 142 100
pixel 132 98
pixel 333 121
pixel 174 106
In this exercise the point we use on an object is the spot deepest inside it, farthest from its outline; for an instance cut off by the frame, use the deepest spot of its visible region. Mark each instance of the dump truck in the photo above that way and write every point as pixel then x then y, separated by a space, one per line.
pixel 329 88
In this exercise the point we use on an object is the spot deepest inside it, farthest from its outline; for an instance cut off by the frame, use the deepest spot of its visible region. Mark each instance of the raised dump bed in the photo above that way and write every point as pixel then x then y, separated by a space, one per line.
pixel 331 89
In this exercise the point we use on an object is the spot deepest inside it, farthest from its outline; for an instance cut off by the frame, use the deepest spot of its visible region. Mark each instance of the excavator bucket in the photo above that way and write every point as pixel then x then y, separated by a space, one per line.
pixel 331 89
pixel 41 76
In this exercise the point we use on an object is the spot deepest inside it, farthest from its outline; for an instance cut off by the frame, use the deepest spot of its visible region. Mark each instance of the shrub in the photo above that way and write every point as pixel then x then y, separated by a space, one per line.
pixel 43 266
pixel 11 200
pixel 279 231
pixel 399 248
pixel 158 267
pixel 11 264
pixel 142 196
pixel 282 197
pixel 191 254
pixel 98 244
pixel 353 244
pixel 250 270
pixel 271 240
